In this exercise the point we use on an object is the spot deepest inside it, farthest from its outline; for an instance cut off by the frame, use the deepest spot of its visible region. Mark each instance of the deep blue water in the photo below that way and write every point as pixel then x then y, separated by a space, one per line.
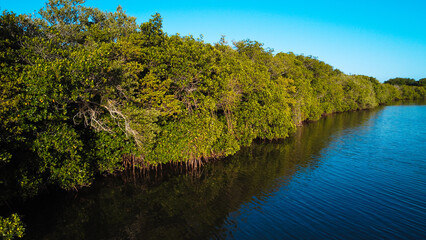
pixel 370 183
pixel 358 175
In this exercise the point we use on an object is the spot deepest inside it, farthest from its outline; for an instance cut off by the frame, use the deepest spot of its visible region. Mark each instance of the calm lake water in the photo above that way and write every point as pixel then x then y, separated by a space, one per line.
pixel 359 175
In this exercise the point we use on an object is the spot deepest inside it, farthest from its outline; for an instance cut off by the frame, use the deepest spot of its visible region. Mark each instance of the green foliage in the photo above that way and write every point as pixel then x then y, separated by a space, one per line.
pixel 59 149
pixel 11 227
pixel 408 92
pixel 421 82
pixel 60 87
pixel 189 139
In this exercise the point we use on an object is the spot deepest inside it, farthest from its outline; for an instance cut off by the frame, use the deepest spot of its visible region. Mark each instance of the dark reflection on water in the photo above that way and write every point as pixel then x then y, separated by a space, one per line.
pixel 354 175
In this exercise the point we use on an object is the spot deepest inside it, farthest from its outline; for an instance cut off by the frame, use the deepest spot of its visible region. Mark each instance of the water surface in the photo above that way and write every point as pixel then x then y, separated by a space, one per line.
pixel 358 175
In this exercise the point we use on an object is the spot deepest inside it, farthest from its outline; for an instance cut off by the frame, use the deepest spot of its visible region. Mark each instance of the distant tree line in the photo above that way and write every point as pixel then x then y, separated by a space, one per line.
pixel 406 81
pixel 87 92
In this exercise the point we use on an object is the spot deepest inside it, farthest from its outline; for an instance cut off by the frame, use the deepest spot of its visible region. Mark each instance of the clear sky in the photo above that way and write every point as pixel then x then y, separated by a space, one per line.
pixel 383 39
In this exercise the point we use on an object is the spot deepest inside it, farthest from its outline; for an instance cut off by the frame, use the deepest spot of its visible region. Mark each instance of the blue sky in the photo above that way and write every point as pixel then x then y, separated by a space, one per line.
pixel 383 39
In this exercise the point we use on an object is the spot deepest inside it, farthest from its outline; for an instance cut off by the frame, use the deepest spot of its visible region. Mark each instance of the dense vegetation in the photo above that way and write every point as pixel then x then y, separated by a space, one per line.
pixel 86 92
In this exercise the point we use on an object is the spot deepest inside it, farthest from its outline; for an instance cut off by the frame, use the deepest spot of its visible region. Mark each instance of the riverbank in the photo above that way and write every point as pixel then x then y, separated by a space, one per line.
pixel 238 195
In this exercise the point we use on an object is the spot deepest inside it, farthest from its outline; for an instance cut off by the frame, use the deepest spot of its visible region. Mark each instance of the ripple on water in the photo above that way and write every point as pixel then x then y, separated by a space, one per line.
pixel 370 183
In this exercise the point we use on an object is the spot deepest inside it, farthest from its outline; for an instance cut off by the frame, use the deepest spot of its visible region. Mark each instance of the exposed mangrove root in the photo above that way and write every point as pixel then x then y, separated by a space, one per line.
pixel 137 168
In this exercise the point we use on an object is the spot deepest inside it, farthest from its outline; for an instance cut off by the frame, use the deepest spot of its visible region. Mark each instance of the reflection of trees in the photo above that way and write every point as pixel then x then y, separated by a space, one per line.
pixel 188 206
